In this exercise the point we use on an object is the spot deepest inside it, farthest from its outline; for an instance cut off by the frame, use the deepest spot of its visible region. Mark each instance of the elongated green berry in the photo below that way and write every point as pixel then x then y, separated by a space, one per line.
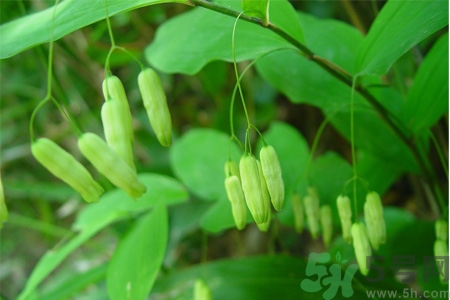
pixel 201 290
pixel 441 229
pixel 115 126
pixel 236 197
pixel 231 168
pixel 265 226
pixel 155 103
pixel 297 208
pixel 3 208
pixel 113 89
pixel 108 162
pixel 373 214
pixel 64 166
pixel 345 216
pixel 326 220
pixel 266 199
pixel 361 246
pixel 251 185
pixel 312 214
pixel 272 173
pixel 440 249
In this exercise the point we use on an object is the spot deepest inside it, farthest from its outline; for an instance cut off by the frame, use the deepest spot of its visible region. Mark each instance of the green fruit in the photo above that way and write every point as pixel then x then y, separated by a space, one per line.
pixel 201 290
pixel 64 166
pixel 326 220
pixel 155 104
pixel 236 197
pixel 312 214
pixel 116 126
pixel 271 170
pixel 361 246
pixel 251 185
pixel 297 208
pixel 441 229
pixel 345 216
pixel 373 214
pixel 108 162
pixel 231 168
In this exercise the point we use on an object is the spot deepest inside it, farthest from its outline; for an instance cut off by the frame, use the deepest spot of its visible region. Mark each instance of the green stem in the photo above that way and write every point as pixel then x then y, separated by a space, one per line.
pixel 352 142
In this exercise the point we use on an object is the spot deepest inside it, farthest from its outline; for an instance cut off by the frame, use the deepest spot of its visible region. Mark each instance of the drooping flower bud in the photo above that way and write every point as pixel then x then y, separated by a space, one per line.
pixel 345 216
pixel 361 246
pixel 201 290
pixel 236 197
pixel 251 185
pixel 108 162
pixel 155 104
pixel 441 229
pixel 63 165
pixel 326 220
pixel 373 214
pixel 440 249
pixel 312 214
pixel 231 168
pixel 297 208
pixel 271 170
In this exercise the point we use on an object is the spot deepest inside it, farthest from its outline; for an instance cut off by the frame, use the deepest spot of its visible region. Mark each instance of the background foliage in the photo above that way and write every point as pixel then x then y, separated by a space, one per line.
pixel 54 246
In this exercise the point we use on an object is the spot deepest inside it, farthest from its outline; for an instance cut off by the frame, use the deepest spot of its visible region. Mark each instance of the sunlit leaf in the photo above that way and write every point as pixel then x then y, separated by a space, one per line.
pixel 198 159
pixel 178 48
pixel 427 100
pixel 138 257
pixel 35 29
pixel 399 26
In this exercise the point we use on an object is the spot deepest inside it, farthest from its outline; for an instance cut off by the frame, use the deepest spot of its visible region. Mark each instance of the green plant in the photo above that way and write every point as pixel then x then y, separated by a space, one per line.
pixel 350 106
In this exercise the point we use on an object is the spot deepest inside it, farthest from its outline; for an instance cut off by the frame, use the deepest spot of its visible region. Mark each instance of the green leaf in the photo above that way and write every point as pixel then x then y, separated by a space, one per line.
pixel 427 99
pixel 298 79
pixel 51 259
pixel 257 8
pixel 75 283
pixel 399 26
pixel 138 257
pixel 258 277
pixel 187 49
pixel 329 174
pixel 112 206
pixel 198 159
pixel 35 29
pixel 117 204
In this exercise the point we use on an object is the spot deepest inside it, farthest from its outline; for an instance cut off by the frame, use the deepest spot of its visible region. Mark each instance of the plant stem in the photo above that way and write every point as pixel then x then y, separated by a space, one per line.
pixel 345 78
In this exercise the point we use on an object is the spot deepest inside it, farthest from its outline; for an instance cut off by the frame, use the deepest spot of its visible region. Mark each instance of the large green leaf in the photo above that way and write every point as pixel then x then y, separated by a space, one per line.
pixel 198 159
pixel 305 82
pixel 260 277
pixel 399 26
pixel 112 206
pixel 427 100
pixel 71 15
pixel 138 257
pixel 188 42
pixel 117 204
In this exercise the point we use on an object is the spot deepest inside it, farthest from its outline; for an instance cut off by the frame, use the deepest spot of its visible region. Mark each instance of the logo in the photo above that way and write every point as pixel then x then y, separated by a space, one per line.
pixel 330 279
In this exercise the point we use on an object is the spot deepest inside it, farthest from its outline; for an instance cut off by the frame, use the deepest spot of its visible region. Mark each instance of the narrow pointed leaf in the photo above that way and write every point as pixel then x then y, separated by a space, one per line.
pixel 399 26
pixel 138 257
